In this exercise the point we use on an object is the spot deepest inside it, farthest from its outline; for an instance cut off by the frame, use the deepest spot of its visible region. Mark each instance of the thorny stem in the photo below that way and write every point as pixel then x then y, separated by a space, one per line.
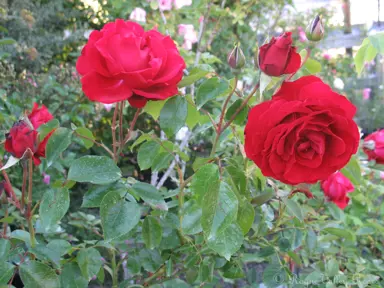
pixel 96 143
pixel 114 270
pixel 5 224
pixel 221 129
pixel 13 195
pixel 29 205
pixel 224 109
pixel 113 128
pixel 133 122
pixel 24 187
pixel 121 130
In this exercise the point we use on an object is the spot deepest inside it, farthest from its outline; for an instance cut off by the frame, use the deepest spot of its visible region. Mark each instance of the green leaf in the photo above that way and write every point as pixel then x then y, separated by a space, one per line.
pixel 150 195
pixel 261 198
pixel 241 117
pixel 54 205
pixel 6 272
pixel 377 41
pixel 150 260
pixel 233 270
pixel 47 128
pixel 219 210
pixel 228 242
pixel 366 53
pixel 153 108
pixel 200 162
pixel 118 217
pixel 43 252
pixel 173 115
pixel 22 236
pixel 311 240
pixel 294 209
pixel 8 219
pixel 332 268
pixel 245 216
pixel 94 169
pixel 5 247
pixel 35 274
pixel 7 41
pixel 95 195
pixel 193 116
pixel 195 74
pixel 147 153
pixel 284 244
pixel 206 180
pixel 353 171
pixel 86 133
pixel 71 277
pixel 312 66
pixel 152 232
pixel 274 276
pixel 89 261
pixel 60 246
pixel 211 89
pixel 264 82
pixel 174 283
pixel 162 161
pixel 57 143
pixel 191 222
pixel 339 232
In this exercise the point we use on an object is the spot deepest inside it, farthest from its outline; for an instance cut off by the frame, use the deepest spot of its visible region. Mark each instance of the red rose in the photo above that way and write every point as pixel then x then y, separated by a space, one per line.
pixel 336 188
pixel 279 57
pixel 304 134
pixel 376 151
pixel 122 61
pixel 22 136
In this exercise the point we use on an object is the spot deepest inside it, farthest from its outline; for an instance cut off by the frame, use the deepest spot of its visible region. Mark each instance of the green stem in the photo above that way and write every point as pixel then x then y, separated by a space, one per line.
pixel 114 269
pixel 29 206
pixel 154 276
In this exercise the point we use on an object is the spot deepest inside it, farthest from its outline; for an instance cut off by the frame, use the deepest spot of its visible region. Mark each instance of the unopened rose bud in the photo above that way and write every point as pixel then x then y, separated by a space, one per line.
pixel 315 30
pixel 236 58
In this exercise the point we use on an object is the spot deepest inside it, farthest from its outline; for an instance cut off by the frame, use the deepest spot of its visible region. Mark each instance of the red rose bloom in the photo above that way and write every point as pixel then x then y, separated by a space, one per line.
pixel 122 61
pixel 304 134
pixel 22 136
pixel 336 188
pixel 279 57
pixel 377 151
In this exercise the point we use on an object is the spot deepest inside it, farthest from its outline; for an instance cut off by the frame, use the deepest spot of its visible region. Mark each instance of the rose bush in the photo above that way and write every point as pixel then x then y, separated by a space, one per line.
pixel 166 196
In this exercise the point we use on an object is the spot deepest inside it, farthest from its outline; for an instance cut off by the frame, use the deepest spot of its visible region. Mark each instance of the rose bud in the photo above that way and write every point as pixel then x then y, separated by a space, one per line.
pixel 236 59
pixel 374 146
pixel 315 30
pixel 336 187
pixel 23 135
pixel 279 57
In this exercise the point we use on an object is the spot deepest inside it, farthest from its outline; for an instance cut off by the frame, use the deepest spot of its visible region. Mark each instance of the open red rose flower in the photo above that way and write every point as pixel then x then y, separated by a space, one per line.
pixel 304 134
pixel 279 57
pixel 124 62
pixel 336 187
pixel 24 135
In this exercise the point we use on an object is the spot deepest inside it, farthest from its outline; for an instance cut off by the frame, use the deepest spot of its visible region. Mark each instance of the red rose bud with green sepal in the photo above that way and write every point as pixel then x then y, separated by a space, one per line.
pixel 336 187
pixel 279 57
pixel 315 30
pixel 23 135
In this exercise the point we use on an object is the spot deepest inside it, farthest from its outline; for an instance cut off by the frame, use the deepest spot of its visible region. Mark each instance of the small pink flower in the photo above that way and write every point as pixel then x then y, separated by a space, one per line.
pixel 46 178
pixel 302 36
pixel 189 33
pixel 366 93
pixel 93 278
pixel 382 175
pixel 165 5
pixel 138 14
pixel 181 3
pixel 326 56
pixel 108 107
pixel 201 19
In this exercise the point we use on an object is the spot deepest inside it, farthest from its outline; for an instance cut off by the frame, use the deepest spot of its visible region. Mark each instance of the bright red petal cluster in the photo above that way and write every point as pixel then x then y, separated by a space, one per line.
pixel 124 62
pixel 336 188
pixel 304 134
pixel 22 136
